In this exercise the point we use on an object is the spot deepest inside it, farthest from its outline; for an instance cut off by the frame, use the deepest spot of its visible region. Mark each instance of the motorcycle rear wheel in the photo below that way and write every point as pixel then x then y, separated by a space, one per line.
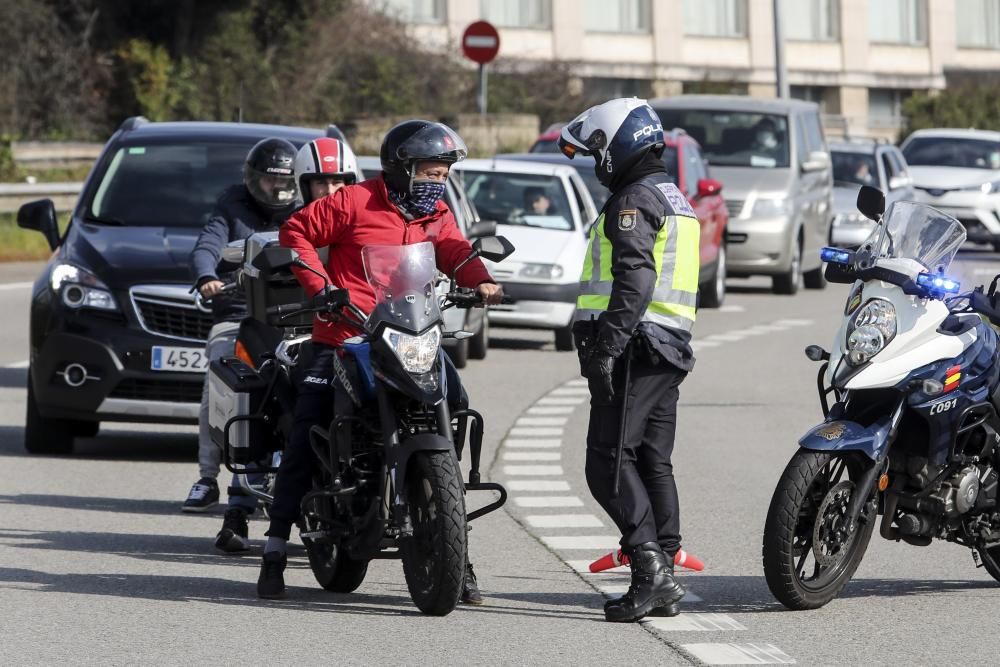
pixel 334 570
pixel 434 556
pixel 804 527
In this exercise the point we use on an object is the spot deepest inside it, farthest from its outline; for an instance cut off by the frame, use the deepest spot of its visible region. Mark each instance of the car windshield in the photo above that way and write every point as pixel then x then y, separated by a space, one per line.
pixel 734 138
pixel 166 185
pixel 529 200
pixel 952 152
pixel 918 232
pixel 854 168
pixel 402 277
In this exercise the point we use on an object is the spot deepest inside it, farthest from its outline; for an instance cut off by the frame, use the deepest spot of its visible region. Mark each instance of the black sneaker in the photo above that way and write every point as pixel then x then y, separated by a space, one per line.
pixel 233 536
pixel 470 588
pixel 271 582
pixel 204 495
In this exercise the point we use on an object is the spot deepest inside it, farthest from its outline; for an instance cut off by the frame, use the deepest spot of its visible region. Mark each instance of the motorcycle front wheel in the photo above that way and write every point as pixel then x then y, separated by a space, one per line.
pixel 434 556
pixel 808 554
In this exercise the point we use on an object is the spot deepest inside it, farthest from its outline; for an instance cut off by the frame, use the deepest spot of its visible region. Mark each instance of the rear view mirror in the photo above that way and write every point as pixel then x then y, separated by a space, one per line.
pixel 897 182
pixel 493 248
pixel 481 229
pixel 818 161
pixel 871 202
pixel 708 187
pixel 41 217
pixel 275 258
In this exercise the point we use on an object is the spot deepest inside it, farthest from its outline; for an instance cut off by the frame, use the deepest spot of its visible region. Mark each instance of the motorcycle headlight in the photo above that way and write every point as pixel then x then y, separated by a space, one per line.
pixel 870 331
pixel 542 271
pixel 770 207
pixel 79 288
pixel 416 353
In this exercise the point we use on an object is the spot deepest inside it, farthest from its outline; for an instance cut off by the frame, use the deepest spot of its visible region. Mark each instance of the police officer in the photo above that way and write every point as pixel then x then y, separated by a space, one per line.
pixel 633 322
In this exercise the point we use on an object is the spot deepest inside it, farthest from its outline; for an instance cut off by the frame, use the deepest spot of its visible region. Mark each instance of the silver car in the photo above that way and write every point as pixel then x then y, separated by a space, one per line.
pixel 772 158
pixel 864 162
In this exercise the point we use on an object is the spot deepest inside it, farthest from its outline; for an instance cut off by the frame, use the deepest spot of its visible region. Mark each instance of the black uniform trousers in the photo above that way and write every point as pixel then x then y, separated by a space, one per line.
pixel 646 509
pixel 319 397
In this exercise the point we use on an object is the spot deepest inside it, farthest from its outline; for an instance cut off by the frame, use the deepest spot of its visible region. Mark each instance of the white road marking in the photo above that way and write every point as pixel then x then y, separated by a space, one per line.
pixel 605 542
pixel 12 286
pixel 561 400
pixel 764 328
pixel 699 344
pixel 18 364
pixel 732 308
pixel 739 654
pixel 534 471
pixel 557 410
pixel 548 501
pixel 535 432
pixel 533 444
pixel 537 485
pixel 697 622
pixel 564 521
pixel 732 337
pixel 795 323
pixel 532 456
pixel 541 421
pixel 570 391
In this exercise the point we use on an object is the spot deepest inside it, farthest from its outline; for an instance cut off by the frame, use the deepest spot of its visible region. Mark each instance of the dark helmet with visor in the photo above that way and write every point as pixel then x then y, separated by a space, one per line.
pixel 269 173
pixel 415 141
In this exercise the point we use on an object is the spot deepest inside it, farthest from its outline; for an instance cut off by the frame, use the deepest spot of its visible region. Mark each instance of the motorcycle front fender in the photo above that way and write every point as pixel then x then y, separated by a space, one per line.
pixel 422 442
pixel 842 435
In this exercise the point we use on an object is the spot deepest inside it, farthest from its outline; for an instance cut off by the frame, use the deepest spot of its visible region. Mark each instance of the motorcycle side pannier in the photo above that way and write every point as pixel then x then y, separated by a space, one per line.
pixel 236 391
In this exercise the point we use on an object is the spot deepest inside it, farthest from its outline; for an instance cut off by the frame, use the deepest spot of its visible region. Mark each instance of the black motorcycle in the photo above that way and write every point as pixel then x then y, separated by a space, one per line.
pixel 389 483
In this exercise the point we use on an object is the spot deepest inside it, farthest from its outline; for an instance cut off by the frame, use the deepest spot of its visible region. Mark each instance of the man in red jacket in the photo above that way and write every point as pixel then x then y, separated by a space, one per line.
pixel 400 207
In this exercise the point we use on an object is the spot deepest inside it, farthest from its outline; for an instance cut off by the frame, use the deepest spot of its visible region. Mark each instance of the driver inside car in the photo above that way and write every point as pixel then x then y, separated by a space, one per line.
pixel 403 206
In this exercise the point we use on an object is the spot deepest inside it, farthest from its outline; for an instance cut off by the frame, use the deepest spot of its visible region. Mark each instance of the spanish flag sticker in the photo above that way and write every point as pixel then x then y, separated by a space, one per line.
pixel 952 377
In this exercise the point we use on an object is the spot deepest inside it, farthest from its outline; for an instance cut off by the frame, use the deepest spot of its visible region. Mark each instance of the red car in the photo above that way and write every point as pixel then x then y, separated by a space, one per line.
pixel 686 164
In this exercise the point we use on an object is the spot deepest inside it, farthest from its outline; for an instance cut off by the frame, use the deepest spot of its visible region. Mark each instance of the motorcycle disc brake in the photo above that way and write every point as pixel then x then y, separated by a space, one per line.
pixel 830 538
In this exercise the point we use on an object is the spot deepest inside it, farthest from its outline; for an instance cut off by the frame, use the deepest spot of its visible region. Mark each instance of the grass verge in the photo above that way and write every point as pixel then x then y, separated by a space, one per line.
pixel 18 244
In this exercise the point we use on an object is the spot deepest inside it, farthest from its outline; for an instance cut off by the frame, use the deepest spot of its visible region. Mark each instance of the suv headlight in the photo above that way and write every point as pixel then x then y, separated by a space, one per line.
pixel 78 288
pixel 870 331
pixel 988 188
pixel 770 207
pixel 416 353
pixel 542 271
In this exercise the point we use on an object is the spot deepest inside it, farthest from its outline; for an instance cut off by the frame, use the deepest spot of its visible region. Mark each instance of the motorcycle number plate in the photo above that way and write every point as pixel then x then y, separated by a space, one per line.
pixel 178 359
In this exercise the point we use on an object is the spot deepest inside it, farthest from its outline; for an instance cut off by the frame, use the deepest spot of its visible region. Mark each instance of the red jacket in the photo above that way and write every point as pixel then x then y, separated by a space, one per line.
pixel 359 215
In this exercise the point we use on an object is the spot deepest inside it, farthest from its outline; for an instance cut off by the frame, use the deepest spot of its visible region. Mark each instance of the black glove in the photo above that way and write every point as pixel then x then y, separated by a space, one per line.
pixel 599 370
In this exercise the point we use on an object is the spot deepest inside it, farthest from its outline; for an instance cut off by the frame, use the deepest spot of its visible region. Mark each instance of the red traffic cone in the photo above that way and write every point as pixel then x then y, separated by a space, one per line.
pixel 617 558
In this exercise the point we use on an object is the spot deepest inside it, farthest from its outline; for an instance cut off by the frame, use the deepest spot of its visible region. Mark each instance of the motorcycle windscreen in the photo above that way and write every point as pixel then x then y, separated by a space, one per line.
pixel 402 277
pixel 916 231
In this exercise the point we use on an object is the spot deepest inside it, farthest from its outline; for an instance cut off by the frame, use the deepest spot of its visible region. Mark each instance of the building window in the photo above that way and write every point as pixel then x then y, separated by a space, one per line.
pixel 715 18
pixel 885 106
pixel 617 15
pixel 817 94
pixel 898 21
pixel 811 20
pixel 413 11
pixel 978 24
pixel 518 13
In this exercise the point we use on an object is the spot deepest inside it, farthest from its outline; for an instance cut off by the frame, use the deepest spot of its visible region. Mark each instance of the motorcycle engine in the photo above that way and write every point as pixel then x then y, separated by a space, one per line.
pixel 958 495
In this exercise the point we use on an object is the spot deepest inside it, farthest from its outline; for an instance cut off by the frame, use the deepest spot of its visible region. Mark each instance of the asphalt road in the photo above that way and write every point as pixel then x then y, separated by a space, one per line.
pixel 98 566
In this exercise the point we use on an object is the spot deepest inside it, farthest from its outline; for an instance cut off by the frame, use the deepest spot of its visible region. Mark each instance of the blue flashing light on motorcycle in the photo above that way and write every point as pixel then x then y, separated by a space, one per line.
pixel 835 255
pixel 937 283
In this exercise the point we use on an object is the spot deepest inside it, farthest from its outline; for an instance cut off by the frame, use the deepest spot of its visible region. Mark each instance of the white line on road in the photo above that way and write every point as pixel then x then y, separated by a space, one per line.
pixel 18 364
pixel 733 337
pixel 535 432
pixel 537 485
pixel 570 391
pixel 532 456
pixel 548 501
pixel 795 323
pixel 697 622
pixel 732 308
pixel 533 471
pixel 541 421
pixel 532 444
pixel 12 286
pixel 739 654
pixel 564 521
pixel 561 400
pixel 699 344
pixel 606 542
pixel 557 410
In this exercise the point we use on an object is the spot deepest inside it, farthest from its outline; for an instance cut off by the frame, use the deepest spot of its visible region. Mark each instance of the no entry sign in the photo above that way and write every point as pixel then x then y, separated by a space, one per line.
pixel 481 42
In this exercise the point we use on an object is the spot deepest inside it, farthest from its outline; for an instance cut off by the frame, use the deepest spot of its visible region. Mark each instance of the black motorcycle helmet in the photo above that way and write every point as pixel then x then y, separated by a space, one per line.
pixel 413 141
pixel 272 159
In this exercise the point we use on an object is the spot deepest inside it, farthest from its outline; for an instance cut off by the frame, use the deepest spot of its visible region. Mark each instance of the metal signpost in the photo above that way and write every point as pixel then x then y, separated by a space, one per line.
pixel 480 44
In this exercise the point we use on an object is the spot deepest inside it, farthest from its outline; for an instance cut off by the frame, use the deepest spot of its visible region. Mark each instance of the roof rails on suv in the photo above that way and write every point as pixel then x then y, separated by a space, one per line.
pixel 133 122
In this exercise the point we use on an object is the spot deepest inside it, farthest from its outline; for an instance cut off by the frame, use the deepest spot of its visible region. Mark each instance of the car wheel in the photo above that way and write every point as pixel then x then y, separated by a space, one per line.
pixel 45 436
pixel 790 281
pixel 564 338
pixel 712 293
pixel 479 344
pixel 459 353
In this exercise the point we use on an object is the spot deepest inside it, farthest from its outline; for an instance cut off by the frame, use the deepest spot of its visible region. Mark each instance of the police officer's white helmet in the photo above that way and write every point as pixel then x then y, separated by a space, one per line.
pixel 616 133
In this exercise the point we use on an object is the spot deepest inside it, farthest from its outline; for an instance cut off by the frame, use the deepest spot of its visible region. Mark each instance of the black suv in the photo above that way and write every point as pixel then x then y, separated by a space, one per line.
pixel 115 332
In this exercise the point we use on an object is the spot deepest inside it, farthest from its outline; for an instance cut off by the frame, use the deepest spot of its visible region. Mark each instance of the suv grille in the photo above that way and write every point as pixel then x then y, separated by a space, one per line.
pixel 171 310
pixel 159 390
pixel 735 207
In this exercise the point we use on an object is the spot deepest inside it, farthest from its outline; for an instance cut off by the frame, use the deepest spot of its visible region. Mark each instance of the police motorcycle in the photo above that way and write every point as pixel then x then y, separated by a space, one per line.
pixel 389 483
pixel 913 431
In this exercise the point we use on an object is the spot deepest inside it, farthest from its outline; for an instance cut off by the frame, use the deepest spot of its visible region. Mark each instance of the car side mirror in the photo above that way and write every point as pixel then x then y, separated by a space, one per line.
pixel 233 252
pixel 818 161
pixel 493 248
pixel 481 229
pixel 897 182
pixel 275 258
pixel 871 202
pixel 41 217
pixel 708 187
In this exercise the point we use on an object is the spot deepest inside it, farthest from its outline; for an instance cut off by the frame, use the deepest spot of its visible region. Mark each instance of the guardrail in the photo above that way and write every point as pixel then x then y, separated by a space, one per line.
pixel 13 195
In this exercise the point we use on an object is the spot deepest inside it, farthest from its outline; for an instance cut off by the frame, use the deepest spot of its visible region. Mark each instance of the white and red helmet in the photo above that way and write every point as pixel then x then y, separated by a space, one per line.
pixel 325 157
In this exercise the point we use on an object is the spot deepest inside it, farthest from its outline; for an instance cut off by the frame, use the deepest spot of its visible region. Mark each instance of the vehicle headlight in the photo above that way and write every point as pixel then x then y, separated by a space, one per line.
pixel 770 207
pixel 851 219
pixel 990 187
pixel 542 271
pixel 79 288
pixel 870 331
pixel 416 353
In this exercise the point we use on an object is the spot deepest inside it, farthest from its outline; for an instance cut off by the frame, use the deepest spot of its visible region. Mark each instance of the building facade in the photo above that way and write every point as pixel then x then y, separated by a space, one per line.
pixel 859 59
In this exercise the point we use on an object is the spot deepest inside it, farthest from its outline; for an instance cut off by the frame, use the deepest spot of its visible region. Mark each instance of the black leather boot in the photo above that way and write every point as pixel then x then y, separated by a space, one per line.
pixel 653 586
